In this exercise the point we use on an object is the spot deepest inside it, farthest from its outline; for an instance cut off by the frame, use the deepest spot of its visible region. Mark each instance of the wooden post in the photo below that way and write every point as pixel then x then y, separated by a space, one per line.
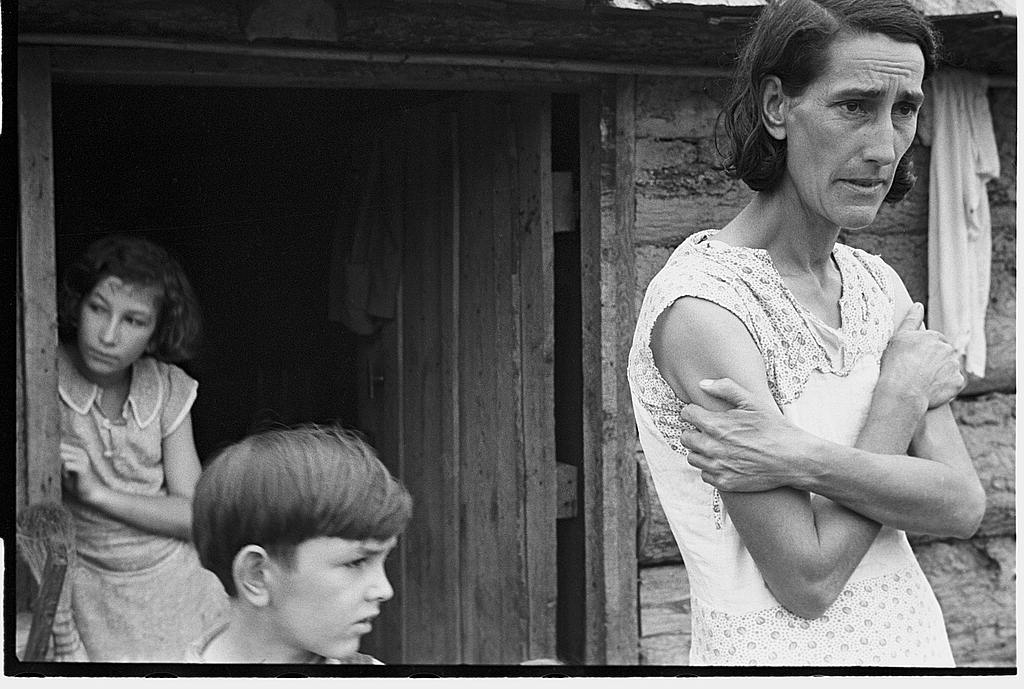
pixel 608 274
pixel 38 461
pixel 618 319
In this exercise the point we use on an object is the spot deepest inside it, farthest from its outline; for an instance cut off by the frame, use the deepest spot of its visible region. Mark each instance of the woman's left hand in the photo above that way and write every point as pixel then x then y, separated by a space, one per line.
pixel 747 448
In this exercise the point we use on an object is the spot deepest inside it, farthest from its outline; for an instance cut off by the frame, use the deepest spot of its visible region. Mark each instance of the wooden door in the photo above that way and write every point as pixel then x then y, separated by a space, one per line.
pixel 458 389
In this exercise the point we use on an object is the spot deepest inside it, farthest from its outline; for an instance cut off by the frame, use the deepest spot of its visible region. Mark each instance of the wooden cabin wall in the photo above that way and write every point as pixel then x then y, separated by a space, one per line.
pixel 680 190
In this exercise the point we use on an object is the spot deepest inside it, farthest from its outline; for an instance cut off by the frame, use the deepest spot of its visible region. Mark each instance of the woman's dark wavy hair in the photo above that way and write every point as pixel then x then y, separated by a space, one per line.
pixel 141 262
pixel 791 40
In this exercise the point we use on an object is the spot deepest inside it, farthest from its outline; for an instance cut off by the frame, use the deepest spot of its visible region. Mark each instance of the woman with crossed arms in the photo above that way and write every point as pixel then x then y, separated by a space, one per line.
pixel 793 411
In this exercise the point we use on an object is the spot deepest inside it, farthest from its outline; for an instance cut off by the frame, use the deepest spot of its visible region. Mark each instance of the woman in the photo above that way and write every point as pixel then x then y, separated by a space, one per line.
pixel 790 372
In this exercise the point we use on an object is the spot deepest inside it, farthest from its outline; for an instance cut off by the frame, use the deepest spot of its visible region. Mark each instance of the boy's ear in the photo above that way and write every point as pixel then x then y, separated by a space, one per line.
pixel 249 570
pixel 773 107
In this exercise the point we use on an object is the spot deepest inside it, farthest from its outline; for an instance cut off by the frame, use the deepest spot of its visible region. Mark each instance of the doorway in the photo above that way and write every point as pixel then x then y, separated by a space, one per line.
pixel 255 190
pixel 250 189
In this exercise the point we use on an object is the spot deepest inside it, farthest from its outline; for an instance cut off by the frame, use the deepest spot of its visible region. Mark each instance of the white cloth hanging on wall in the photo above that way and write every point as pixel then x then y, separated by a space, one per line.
pixel 963 158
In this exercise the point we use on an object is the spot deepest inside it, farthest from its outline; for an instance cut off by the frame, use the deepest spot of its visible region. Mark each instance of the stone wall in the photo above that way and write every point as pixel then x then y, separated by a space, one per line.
pixel 680 191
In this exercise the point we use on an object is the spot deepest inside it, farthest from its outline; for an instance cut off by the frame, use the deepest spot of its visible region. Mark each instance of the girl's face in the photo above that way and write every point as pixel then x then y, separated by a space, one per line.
pixel 116 322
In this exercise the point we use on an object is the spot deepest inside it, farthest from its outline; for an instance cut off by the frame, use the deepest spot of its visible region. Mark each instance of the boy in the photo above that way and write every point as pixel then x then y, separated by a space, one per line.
pixel 296 524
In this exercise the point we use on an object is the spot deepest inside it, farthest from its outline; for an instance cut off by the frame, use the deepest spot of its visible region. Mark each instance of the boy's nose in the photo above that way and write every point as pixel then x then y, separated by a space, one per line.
pixel 381 589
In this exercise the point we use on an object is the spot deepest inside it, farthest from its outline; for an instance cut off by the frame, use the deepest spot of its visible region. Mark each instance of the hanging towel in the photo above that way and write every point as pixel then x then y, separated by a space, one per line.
pixel 366 255
pixel 963 158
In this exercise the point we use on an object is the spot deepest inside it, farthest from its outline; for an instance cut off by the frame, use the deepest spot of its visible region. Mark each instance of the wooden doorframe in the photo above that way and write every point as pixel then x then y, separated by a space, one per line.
pixel 607 273
pixel 607 201
pixel 38 420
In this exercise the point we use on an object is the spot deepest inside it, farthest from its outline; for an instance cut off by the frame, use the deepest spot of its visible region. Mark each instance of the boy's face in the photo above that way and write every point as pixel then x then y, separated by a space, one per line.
pixel 327 598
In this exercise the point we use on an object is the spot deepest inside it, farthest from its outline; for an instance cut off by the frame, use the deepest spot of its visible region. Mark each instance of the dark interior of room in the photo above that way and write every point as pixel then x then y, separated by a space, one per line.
pixel 248 188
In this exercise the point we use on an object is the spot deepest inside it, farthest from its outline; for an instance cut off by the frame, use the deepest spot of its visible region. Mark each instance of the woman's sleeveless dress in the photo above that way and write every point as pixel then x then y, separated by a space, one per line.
pixel 822 379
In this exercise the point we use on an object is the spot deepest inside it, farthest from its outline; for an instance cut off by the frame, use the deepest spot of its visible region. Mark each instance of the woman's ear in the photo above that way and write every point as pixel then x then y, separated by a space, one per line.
pixel 249 570
pixel 773 107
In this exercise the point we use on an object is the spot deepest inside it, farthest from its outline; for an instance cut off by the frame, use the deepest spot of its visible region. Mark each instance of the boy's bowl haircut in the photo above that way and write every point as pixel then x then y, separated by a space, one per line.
pixel 279 488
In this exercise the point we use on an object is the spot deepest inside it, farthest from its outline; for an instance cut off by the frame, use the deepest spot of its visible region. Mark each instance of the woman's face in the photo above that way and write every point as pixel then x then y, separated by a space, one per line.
pixel 848 130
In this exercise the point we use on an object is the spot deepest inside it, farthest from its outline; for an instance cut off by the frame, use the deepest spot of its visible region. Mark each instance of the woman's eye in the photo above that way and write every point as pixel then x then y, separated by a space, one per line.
pixel 355 564
pixel 94 307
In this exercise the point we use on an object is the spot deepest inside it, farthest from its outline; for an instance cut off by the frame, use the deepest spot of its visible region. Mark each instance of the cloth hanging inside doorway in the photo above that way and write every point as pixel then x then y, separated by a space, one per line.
pixel 964 157
pixel 366 253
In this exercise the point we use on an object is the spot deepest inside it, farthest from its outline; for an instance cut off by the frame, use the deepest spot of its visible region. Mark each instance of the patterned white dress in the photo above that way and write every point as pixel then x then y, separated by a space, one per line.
pixel 822 379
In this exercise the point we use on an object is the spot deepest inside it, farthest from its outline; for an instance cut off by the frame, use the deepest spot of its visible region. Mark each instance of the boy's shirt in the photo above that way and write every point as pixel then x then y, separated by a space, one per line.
pixel 195 650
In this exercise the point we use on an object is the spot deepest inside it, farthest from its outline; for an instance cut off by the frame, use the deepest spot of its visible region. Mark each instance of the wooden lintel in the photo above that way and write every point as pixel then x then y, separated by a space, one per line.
pixel 146 66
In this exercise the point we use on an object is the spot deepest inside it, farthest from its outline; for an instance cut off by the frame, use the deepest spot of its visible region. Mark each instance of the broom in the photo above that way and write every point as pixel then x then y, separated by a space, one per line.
pixel 46 542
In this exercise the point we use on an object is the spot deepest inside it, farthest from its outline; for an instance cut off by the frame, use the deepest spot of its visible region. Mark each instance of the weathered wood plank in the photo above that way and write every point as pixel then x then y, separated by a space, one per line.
pixel 680 36
pixel 536 312
pixel 431 594
pixel 150 66
pixel 490 380
pixel 619 479
pixel 606 192
pixel 38 348
pixel 591 136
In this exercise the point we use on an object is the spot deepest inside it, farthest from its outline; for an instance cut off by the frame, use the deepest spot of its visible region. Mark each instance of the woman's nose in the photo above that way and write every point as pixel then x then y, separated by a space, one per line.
pixel 880 147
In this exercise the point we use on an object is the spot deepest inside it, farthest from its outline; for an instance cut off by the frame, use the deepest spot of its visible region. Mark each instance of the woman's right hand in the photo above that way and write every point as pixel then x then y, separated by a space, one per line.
pixel 921 363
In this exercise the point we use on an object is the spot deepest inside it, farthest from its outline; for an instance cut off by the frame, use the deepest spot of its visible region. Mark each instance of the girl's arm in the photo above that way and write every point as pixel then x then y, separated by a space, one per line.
pixel 936 491
pixel 805 547
pixel 166 515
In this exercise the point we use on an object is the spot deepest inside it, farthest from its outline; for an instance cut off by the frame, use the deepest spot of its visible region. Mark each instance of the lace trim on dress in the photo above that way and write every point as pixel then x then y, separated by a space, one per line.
pixel 745 282
pixel 876 621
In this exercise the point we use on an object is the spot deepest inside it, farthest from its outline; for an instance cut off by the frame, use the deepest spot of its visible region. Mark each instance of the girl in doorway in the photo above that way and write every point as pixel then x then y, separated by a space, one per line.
pixel 129 460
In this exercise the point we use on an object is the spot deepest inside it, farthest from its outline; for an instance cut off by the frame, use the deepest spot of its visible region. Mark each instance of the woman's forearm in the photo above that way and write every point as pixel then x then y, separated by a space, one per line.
pixel 938 495
pixel 839 536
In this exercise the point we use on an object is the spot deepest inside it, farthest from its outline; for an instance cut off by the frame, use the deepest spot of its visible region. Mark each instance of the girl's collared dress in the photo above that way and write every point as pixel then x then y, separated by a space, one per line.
pixel 136 596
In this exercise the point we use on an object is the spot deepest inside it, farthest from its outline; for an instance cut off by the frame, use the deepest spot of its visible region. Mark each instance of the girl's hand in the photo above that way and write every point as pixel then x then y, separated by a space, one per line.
pixel 78 477
pixel 921 363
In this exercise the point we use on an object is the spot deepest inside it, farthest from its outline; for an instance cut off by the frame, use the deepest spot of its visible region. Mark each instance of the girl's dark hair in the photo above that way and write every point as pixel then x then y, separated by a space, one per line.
pixel 791 40
pixel 139 262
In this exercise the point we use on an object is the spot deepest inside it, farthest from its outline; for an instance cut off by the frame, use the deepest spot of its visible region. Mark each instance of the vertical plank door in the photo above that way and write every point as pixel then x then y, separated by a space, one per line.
pixel 506 434
pixel 467 375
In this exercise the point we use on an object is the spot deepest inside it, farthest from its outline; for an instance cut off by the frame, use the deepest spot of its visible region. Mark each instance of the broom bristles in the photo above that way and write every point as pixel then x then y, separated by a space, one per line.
pixel 43 528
